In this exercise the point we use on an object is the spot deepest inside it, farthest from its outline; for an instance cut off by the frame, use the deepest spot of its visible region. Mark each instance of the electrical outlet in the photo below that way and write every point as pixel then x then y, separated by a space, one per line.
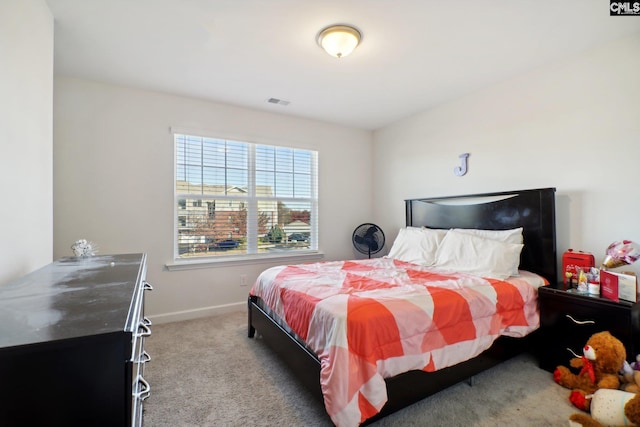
pixel 243 280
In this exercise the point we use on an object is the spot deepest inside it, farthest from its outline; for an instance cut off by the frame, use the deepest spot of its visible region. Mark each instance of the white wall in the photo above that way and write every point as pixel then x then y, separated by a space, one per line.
pixel 113 183
pixel 573 125
pixel 26 92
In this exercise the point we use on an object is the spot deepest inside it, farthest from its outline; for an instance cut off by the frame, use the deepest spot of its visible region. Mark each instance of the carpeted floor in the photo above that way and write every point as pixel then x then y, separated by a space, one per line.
pixel 206 372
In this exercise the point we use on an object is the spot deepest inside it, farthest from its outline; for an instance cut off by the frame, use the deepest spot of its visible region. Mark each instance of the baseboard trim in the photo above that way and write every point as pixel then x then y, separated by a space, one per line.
pixel 178 316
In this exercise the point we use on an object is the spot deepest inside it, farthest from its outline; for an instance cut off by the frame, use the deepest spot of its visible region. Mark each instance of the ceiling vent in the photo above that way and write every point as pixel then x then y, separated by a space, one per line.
pixel 278 101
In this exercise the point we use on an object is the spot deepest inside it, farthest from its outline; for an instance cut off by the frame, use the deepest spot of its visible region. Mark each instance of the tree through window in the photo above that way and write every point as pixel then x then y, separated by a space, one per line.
pixel 239 198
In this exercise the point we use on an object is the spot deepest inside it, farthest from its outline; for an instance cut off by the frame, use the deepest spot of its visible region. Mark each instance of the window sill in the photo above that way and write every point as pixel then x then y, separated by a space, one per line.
pixel 230 261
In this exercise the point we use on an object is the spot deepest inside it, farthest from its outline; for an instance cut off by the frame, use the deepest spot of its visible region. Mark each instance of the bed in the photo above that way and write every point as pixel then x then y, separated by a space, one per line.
pixel 308 345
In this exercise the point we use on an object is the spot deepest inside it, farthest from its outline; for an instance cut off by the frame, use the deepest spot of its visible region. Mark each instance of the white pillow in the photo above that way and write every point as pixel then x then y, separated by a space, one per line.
pixel 416 245
pixel 513 235
pixel 466 253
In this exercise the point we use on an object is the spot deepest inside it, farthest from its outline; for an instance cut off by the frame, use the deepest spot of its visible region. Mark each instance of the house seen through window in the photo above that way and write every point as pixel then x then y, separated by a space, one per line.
pixel 239 198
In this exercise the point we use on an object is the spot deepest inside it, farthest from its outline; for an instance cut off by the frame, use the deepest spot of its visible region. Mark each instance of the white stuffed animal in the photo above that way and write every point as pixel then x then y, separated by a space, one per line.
pixel 607 409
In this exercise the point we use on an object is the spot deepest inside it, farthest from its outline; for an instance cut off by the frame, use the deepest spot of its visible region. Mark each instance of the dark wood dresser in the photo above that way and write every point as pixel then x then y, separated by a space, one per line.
pixel 568 319
pixel 72 343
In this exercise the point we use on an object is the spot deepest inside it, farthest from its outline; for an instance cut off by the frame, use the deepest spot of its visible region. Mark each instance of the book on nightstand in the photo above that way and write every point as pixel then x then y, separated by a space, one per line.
pixel 617 286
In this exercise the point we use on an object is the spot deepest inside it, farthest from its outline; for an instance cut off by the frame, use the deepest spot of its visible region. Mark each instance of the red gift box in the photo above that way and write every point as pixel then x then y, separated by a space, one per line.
pixel 573 261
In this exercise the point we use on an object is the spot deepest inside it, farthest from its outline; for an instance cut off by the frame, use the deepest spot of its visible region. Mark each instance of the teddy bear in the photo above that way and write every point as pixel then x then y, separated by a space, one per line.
pixel 630 376
pixel 610 408
pixel 602 360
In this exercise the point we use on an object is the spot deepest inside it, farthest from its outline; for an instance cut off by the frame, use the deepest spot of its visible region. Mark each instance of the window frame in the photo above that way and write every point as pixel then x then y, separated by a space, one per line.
pixel 252 255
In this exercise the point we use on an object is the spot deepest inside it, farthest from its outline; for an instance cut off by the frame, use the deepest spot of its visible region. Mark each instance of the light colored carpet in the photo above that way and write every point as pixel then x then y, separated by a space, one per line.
pixel 207 372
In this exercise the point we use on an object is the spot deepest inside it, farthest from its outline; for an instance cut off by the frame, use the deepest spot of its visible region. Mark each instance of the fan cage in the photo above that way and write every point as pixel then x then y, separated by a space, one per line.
pixel 365 236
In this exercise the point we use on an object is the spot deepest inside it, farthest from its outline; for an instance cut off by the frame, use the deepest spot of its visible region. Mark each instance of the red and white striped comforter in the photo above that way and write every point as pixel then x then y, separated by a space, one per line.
pixel 372 319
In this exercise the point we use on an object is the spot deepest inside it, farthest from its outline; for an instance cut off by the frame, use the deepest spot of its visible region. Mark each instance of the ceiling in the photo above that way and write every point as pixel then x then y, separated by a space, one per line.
pixel 415 54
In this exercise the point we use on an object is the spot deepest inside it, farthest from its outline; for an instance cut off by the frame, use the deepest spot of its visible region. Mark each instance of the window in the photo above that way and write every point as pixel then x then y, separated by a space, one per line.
pixel 242 199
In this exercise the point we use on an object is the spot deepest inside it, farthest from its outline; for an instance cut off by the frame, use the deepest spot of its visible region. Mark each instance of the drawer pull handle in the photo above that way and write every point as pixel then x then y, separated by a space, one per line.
pixel 573 352
pixel 144 389
pixel 145 357
pixel 147 286
pixel 146 331
pixel 581 322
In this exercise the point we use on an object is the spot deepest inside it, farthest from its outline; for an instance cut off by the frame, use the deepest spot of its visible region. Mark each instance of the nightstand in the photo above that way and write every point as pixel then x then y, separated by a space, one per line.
pixel 568 319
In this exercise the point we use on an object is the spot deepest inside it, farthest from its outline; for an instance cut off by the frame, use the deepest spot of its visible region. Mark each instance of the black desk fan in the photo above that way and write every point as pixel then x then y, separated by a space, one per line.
pixel 368 239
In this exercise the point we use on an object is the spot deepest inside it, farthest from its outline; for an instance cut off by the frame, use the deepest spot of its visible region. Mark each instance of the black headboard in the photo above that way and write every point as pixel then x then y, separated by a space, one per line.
pixel 534 210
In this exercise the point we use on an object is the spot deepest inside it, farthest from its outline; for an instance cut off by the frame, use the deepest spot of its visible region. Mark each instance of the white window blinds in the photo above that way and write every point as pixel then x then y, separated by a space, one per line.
pixel 236 198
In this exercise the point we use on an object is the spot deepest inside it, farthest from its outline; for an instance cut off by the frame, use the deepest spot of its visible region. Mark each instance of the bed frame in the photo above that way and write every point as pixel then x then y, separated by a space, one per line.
pixel 534 210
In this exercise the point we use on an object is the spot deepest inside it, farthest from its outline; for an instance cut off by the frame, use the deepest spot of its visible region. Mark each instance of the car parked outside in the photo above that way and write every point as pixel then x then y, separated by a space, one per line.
pixel 224 244
pixel 298 237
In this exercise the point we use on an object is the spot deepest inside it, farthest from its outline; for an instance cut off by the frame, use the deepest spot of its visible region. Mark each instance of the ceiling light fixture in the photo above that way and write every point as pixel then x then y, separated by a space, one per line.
pixel 339 40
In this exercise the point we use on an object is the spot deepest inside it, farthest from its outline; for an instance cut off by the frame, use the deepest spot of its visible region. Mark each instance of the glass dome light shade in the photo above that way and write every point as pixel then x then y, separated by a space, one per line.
pixel 339 40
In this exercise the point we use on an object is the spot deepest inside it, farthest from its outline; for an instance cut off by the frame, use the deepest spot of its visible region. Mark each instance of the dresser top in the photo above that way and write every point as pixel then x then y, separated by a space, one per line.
pixel 69 298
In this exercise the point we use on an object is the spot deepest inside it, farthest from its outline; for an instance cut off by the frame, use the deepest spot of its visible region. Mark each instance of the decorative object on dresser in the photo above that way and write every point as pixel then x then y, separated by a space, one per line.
pixel 621 253
pixel 83 248
pixel 569 318
pixel 572 263
pixel 530 211
pixel 72 343
pixel 619 285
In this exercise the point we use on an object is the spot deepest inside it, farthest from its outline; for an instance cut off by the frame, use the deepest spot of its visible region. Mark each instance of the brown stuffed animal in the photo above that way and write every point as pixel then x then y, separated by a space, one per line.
pixel 604 356
pixel 630 382
pixel 610 408
pixel 630 377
